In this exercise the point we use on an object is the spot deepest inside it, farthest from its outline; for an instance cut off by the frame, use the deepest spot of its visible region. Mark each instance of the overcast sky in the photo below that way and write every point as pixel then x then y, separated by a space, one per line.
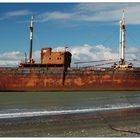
pixel 90 30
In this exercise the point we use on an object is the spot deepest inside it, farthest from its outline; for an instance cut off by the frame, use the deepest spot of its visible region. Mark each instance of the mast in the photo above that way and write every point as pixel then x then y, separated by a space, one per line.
pixel 122 65
pixel 31 40
pixel 122 39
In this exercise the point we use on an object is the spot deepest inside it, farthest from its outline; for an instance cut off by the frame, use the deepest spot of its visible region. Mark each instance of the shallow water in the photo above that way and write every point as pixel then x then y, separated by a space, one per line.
pixel 26 104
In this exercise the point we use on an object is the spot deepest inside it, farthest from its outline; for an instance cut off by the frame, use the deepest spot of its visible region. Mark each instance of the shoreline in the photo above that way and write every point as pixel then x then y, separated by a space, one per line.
pixel 91 124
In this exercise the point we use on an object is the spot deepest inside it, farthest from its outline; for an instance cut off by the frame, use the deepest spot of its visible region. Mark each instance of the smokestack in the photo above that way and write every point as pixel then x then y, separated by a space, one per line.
pixel 31 39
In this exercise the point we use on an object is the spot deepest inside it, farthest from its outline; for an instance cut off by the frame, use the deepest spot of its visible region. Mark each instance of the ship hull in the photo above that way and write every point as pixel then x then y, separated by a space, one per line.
pixel 72 80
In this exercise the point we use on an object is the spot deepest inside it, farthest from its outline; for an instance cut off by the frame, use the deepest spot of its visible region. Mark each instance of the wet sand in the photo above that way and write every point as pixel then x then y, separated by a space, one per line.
pixel 95 124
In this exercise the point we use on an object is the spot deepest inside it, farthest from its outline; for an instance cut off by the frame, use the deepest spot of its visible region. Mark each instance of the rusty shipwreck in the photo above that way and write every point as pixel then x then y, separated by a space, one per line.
pixel 54 72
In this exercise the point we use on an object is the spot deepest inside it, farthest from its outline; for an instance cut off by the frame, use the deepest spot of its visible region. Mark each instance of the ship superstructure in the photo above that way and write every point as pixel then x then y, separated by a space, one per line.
pixel 49 59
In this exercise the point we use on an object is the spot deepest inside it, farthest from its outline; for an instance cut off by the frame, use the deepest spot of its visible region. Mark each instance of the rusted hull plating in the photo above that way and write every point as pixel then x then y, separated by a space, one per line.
pixel 72 80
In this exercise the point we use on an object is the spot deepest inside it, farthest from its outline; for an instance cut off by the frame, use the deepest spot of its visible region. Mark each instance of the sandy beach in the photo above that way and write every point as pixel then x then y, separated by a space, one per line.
pixel 97 124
